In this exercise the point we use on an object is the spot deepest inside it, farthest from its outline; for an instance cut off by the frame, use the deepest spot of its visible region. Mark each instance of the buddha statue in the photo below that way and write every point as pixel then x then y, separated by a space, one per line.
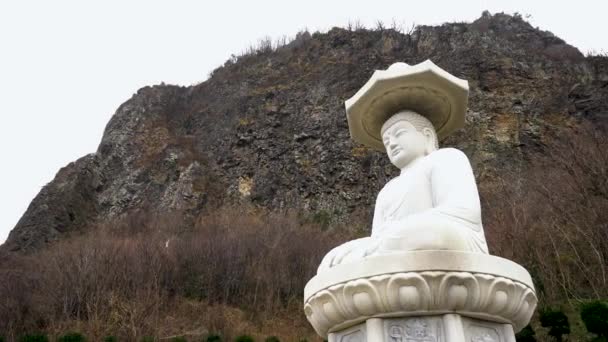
pixel 433 204
pixel 424 273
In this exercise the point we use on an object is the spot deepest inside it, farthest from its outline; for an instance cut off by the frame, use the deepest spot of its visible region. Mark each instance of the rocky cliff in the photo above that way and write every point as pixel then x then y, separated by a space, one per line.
pixel 269 129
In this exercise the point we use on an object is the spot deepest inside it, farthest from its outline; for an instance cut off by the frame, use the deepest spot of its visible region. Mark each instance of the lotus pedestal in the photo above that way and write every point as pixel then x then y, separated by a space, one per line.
pixel 423 296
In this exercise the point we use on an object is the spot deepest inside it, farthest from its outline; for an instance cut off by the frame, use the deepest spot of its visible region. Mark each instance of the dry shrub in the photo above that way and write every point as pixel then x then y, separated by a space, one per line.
pixel 134 277
pixel 553 217
pixel 256 262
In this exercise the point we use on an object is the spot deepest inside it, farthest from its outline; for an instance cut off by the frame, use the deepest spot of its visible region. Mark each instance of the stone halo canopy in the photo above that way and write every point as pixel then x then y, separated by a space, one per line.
pixel 424 88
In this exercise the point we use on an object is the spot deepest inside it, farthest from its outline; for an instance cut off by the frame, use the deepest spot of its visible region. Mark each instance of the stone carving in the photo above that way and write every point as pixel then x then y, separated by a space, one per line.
pixel 480 331
pixel 507 299
pixel 486 337
pixel 484 334
pixel 356 336
pixel 417 330
pixel 433 204
pixel 413 330
pixel 427 255
pixel 396 333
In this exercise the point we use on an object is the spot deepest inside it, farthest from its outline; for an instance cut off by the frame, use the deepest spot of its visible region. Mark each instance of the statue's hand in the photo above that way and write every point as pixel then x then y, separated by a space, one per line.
pixel 350 250
pixel 335 256
pixel 366 248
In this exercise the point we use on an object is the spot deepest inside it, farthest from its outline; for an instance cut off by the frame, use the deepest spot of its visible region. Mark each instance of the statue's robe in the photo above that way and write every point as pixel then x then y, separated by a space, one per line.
pixel 437 190
pixel 433 204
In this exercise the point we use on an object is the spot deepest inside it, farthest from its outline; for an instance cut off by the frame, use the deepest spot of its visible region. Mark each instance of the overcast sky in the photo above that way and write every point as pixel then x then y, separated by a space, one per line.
pixel 65 66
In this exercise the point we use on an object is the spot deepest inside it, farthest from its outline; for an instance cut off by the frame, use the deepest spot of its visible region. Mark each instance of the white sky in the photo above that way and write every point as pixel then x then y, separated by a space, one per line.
pixel 65 66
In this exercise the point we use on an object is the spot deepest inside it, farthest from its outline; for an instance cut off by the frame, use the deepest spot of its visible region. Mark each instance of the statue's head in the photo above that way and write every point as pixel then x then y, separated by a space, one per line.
pixel 408 136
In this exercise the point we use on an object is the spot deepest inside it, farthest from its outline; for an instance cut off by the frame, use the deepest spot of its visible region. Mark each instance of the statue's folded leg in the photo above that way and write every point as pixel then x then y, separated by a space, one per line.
pixel 428 237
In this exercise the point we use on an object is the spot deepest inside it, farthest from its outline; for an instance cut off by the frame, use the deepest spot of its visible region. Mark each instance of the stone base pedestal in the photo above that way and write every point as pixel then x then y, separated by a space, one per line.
pixel 423 296
pixel 438 328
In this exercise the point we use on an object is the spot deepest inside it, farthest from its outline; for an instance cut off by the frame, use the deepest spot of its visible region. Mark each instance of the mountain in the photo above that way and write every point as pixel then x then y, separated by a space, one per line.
pixel 268 129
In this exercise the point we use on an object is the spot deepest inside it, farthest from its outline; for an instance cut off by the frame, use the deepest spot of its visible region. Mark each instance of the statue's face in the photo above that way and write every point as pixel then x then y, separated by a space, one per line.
pixel 404 143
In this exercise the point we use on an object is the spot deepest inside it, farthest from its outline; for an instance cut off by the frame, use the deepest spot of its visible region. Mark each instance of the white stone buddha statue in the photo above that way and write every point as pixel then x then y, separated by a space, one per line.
pixel 425 273
pixel 432 205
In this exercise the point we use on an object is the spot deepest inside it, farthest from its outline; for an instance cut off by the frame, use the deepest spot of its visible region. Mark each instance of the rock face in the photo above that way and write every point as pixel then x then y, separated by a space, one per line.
pixel 269 128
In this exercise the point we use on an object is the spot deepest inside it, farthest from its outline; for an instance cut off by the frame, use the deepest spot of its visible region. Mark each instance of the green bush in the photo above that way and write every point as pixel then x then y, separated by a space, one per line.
pixel 595 316
pixel 71 337
pixel 147 339
pixel 322 218
pixel 1 339
pixel 179 339
pixel 214 338
pixel 244 338
pixel 110 339
pixel 556 321
pixel 272 339
pixel 526 335
pixel 34 338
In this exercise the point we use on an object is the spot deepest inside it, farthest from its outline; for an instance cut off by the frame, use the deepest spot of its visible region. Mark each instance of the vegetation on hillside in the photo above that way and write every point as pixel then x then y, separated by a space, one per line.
pixel 232 270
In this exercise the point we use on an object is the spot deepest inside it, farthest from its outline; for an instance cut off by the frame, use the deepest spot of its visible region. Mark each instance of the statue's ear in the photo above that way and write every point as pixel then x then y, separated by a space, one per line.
pixel 430 141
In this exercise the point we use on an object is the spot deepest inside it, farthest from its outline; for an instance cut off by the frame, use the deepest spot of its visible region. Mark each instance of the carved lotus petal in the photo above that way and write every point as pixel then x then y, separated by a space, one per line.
pixel 418 284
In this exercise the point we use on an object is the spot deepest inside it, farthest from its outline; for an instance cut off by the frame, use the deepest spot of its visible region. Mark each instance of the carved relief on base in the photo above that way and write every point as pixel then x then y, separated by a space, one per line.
pixel 415 329
pixel 433 328
pixel 480 331
pixel 486 296
pixel 354 334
